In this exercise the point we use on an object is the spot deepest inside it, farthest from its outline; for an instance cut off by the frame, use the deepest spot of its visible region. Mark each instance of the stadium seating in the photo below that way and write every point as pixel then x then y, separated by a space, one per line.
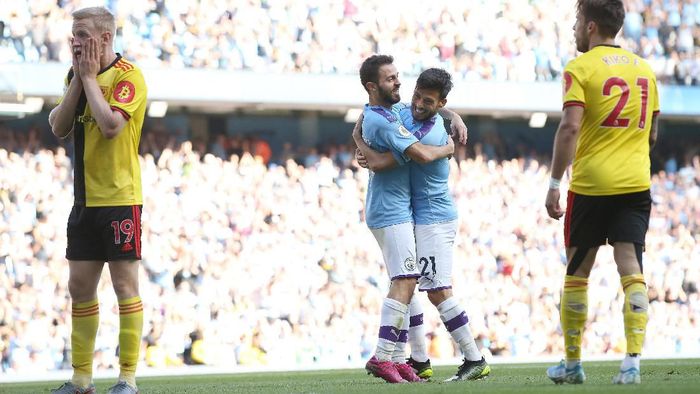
pixel 514 41
pixel 274 265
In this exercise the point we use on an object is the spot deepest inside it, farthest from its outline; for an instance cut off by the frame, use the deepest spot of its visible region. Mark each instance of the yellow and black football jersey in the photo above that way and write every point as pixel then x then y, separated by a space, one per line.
pixel 619 94
pixel 107 171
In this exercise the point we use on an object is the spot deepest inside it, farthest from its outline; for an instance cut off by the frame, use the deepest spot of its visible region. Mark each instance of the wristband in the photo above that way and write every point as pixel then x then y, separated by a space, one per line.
pixel 554 183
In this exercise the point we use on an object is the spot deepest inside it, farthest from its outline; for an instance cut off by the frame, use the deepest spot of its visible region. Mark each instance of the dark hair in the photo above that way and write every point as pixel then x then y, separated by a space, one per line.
pixel 609 15
pixel 369 71
pixel 435 79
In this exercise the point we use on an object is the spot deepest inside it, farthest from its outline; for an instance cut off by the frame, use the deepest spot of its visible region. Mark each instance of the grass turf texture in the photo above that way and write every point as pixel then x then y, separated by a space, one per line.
pixel 658 376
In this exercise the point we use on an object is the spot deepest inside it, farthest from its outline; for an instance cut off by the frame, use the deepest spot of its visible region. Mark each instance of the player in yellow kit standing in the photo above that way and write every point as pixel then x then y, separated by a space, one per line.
pixel 610 123
pixel 103 107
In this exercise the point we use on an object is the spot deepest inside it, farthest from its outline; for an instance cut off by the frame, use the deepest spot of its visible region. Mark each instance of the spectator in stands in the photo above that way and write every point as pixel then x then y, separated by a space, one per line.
pixel 261 239
pixel 518 41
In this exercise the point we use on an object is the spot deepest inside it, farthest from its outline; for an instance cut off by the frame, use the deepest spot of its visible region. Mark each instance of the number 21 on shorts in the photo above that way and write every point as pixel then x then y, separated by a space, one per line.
pixel 427 264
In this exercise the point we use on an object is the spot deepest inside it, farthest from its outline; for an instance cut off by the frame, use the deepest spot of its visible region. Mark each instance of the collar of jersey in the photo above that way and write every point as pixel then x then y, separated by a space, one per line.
pixel 607 45
pixel 119 56
pixel 382 111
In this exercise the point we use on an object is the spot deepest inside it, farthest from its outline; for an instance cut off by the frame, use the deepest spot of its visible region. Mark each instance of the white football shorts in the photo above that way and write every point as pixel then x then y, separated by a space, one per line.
pixel 434 248
pixel 398 247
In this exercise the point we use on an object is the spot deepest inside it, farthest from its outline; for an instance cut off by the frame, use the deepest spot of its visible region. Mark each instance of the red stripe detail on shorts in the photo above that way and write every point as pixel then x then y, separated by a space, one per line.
pixel 567 218
pixel 137 230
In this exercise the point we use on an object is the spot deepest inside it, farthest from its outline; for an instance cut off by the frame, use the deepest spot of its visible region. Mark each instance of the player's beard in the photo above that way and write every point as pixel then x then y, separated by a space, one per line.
pixel 422 116
pixel 582 42
pixel 388 96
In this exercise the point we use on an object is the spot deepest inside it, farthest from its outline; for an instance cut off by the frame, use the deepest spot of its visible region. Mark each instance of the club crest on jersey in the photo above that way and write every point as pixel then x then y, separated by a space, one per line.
pixel 124 92
pixel 404 131
pixel 567 82
pixel 409 264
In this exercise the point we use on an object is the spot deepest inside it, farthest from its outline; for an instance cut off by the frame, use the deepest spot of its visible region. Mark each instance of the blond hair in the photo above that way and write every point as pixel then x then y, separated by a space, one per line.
pixel 102 19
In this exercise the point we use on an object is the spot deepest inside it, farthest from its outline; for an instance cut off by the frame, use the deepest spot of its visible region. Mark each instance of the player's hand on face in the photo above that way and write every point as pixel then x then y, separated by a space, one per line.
pixel 76 58
pixel 552 204
pixel 361 159
pixel 357 130
pixel 90 59
pixel 459 130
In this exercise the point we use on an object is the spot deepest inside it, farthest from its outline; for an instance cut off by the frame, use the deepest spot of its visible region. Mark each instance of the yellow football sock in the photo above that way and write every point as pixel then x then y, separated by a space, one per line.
pixel 635 311
pixel 130 326
pixel 86 319
pixel 574 311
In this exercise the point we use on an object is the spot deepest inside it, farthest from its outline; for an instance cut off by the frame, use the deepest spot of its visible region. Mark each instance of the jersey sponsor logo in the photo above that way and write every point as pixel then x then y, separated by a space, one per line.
pixel 105 91
pixel 409 264
pixel 404 131
pixel 85 119
pixel 567 82
pixel 124 92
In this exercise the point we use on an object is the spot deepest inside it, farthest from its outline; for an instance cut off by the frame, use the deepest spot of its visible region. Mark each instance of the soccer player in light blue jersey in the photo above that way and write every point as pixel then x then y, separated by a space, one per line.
pixel 388 207
pixel 435 220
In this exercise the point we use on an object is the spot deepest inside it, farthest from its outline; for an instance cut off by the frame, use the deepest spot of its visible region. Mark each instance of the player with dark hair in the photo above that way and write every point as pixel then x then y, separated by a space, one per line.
pixel 388 207
pixel 435 219
pixel 103 106
pixel 608 127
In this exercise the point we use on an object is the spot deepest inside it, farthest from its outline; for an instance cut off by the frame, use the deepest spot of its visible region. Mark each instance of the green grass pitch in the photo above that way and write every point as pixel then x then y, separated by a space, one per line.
pixel 658 376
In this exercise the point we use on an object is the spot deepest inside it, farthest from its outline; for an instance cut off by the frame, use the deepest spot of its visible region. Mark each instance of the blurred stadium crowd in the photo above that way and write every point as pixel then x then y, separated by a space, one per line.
pixel 481 39
pixel 251 264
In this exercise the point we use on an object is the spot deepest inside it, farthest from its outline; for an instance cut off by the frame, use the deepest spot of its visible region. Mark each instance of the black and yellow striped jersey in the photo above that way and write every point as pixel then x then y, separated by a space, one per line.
pixel 107 171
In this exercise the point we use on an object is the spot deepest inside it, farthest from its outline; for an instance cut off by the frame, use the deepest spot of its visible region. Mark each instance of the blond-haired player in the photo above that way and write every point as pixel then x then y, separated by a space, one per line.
pixel 103 106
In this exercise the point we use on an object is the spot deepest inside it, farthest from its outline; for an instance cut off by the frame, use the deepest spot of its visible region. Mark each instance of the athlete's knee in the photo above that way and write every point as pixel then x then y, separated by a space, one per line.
pixel 81 288
pixel 628 258
pixel 438 296
pixel 125 287
pixel 402 289
pixel 125 278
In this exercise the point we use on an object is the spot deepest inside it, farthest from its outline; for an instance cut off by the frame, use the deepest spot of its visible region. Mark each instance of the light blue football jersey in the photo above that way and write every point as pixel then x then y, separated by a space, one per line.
pixel 430 194
pixel 389 192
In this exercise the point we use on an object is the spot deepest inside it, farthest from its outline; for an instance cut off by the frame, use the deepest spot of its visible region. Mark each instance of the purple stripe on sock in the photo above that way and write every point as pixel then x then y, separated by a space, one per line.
pixel 457 322
pixel 436 289
pixel 416 320
pixel 389 333
pixel 403 336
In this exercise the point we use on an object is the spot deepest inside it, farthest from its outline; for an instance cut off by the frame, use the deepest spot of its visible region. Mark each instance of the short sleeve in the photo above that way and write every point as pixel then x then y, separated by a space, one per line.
pixel 573 93
pixel 656 106
pixel 129 93
pixel 66 82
